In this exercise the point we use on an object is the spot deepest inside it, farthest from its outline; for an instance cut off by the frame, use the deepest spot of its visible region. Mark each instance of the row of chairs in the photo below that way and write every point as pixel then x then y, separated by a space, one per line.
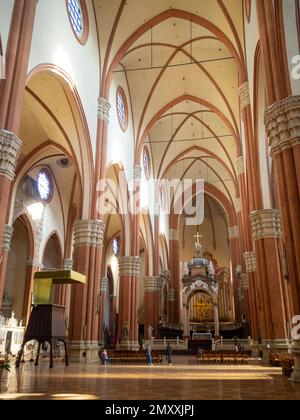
pixel 130 358
pixel 283 360
pixel 223 358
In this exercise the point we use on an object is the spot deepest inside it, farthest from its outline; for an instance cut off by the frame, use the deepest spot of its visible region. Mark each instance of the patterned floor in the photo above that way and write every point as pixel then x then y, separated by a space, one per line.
pixel 183 381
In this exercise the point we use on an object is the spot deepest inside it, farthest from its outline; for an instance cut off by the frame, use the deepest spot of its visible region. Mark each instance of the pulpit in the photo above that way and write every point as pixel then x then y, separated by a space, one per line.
pixel 47 320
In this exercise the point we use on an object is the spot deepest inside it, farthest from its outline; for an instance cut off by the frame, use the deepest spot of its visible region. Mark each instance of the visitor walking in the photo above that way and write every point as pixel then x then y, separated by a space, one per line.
pixel 148 355
pixel 169 353
pixel 104 357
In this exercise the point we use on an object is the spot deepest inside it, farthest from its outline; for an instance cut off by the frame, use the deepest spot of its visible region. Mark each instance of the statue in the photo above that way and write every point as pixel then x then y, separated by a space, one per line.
pixel 186 269
pixel 211 270
pixel 12 322
pixel 150 332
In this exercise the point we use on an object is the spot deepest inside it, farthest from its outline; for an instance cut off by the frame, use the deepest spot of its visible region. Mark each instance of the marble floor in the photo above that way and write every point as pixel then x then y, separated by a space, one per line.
pixel 185 380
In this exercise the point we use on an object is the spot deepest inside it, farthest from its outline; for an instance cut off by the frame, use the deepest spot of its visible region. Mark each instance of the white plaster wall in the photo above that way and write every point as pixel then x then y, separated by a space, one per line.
pixel 6 8
pixel 54 43
pixel 120 144
pixel 291 35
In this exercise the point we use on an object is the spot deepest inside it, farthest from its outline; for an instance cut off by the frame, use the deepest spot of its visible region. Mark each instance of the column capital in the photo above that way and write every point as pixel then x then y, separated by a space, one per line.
pixel 68 264
pixel 89 233
pixel 104 109
pixel 152 284
pixel 282 121
pixel 250 261
pixel 244 94
pixel 234 232
pixel 10 146
pixel 240 165
pixel 265 224
pixel 137 172
pixel 104 285
pixel 7 238
pixel 130 266
pixel 174 234
pixel 171 295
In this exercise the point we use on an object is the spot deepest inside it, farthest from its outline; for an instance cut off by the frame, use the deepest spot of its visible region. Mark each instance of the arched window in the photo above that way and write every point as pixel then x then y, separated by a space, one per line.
pixel 122 109
pixel 79 19
pixel 115 247
pixel 146 162
pixel 45 185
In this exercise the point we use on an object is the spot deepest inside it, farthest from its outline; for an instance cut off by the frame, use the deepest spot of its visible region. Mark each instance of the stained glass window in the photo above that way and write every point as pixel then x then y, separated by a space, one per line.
pixel 44 184
pixel 76 16
pixel 116 247
pixel 146 162
pixel 122 108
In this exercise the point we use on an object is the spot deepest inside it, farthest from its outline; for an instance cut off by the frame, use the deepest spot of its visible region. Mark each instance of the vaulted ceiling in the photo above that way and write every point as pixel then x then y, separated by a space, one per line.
pixel 183 61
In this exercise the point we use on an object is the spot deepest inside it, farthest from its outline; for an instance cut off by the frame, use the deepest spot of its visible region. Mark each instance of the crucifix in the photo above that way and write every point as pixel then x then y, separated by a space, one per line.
pixel 198 246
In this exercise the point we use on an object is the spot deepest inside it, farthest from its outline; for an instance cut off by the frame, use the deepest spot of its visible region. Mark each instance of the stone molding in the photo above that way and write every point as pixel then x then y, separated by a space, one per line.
pixel 104 108
pixel 104 285
pixel 244 94
pixel 171 295
pixel 89 233
pixel 152 284
pixel 174 235
pixel 265 224
pixel 10 147
pixel 7 238
pixel 240 166
pixel 68 264
pixel 250 261
pixel 130 266
pixel 137 172
pixel 282 121
pixel 234 232
pixel 244 281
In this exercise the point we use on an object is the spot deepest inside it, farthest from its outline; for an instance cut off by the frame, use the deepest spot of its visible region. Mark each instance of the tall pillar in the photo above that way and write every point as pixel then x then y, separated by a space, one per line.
pixel 129 271
pixel 175 276
pixel 283 131
pixel 10 147
pixel 103 300
pixel 153 287
pixel 84 322
pixel 266 233
pixel 234 241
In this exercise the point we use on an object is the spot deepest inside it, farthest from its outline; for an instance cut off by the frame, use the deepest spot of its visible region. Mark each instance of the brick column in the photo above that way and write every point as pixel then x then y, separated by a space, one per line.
pixel 175 276
pixel 10 147
pixel 153 286
pixel 266 233
pixel 84 322
pixel 129 270
pixel 103 300
pixel 283 130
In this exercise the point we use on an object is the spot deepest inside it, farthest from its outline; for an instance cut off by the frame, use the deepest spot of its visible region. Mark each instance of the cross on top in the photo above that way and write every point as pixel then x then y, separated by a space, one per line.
pixel 198 237
pixel 198 246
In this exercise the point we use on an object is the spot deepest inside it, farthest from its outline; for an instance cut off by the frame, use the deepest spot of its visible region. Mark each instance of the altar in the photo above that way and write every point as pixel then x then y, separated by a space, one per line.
pixel 200 294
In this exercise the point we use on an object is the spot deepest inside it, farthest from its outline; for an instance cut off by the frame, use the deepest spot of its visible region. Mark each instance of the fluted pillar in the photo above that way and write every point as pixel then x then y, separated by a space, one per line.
pixel 153 287
pixel 84 322
pixel 128 334
pixel 103 300
pixel 283 130
pixel 175 276
pixel 10 147
pixel 266 233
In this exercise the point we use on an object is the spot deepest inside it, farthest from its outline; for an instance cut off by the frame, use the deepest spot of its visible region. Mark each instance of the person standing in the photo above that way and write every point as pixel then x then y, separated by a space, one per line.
pixel 169 353
pixel 148 355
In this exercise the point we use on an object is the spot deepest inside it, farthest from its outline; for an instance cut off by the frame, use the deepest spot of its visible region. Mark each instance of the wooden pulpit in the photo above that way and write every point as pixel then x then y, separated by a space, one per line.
pixel 47 320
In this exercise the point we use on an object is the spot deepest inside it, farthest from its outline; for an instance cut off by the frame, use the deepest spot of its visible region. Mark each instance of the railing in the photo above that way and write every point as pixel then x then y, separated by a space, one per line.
pixel 157 344
pixel 230 344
